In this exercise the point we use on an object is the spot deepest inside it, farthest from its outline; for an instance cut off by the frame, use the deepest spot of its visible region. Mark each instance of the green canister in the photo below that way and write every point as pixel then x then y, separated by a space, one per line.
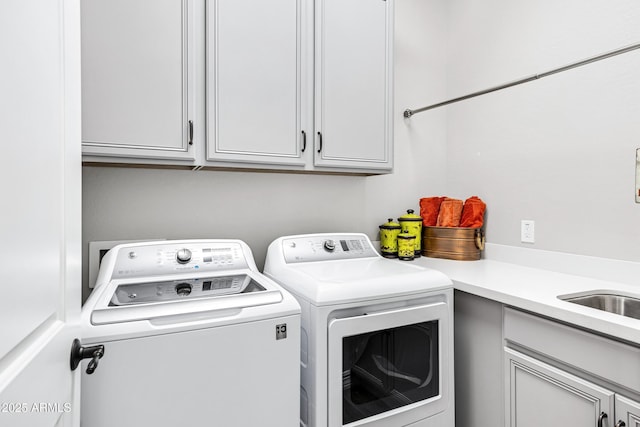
pixel 389 239
pixel 406 246
pixel 412 224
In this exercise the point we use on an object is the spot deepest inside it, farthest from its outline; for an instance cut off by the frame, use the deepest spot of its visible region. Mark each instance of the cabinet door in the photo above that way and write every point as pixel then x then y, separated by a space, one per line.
pixel 135 78
pixel 254 87
pixel 627 411
pixel 541 395
pixel 353 92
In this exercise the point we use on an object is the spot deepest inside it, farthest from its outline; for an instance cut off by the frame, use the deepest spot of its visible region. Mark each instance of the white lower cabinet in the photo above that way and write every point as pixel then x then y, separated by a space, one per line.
pixel 517 369
pixel 541 395
pixel 557 376
pixel 627 412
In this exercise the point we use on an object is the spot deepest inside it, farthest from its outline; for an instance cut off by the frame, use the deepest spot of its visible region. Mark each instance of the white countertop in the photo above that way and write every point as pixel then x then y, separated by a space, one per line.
pixel 532 280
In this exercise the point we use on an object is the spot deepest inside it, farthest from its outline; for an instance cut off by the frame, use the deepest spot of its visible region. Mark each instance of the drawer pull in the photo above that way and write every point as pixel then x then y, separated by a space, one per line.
pixel 601 419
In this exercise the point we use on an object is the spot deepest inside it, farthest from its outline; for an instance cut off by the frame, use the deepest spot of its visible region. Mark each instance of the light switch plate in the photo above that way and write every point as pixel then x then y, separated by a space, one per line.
pixel 638 175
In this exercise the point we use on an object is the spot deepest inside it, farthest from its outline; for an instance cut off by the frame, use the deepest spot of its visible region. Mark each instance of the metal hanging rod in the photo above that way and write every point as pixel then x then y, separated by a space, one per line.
pixel 408 112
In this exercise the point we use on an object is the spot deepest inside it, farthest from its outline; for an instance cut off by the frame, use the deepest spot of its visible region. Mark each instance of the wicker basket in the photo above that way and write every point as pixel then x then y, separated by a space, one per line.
pixel 458 243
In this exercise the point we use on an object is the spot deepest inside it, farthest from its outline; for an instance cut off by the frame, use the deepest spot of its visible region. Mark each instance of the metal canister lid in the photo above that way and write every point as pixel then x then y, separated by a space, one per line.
pixel 410 216
pixel 390 225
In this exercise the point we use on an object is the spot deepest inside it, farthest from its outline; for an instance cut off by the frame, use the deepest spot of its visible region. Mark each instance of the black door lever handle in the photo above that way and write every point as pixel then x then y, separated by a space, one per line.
pixel 78 352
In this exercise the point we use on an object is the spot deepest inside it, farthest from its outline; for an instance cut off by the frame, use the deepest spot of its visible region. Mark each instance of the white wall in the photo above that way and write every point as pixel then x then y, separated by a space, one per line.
pixel 560 150
pixel 420 142
pixel 124 203
pixel 120 203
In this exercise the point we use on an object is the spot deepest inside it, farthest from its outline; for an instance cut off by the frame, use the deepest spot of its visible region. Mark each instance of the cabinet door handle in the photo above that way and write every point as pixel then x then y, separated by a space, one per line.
pixel 620 424
pixel 304 141
pixel 601 419
pixel 319 142
pixel 190 132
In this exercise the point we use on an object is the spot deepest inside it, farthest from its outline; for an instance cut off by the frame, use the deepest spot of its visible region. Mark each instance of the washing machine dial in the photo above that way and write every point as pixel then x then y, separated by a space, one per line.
pixel 183 289
pixel 329 245
pixel 183 256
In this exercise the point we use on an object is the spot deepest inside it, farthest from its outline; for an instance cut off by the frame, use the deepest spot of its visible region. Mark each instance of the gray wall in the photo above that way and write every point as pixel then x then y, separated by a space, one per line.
pixel 560 150
pixel 420 145
pixel 123 203
pixel 120 203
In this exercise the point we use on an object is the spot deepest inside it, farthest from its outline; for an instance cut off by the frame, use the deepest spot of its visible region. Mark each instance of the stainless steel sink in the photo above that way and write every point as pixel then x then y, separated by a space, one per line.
pixel 613 303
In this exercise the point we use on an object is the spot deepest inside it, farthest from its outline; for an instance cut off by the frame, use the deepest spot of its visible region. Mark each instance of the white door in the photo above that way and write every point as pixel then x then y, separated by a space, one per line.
pixel 40 229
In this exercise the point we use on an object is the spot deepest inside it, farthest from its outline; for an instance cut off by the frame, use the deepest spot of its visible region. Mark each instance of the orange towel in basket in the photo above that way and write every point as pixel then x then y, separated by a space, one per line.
pixel 450 212
pixel 429 208
pixel 473 213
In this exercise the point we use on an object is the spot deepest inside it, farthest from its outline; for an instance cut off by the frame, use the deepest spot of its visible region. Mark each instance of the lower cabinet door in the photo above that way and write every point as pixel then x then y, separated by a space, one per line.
pixel 627 412
pixel 539 394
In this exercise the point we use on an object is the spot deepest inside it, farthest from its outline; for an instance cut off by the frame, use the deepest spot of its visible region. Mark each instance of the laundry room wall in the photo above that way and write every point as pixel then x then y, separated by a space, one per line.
pixel 560 150
pixel 420 142
pixel 129 203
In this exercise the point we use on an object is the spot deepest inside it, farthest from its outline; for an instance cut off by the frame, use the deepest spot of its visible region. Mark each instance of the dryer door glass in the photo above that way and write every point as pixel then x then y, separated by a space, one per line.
pixel 387 369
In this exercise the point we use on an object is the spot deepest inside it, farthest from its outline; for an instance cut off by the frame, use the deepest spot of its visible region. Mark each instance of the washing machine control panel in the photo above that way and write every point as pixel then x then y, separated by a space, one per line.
pixel 327 247
pixel 184 289
pixel 162 259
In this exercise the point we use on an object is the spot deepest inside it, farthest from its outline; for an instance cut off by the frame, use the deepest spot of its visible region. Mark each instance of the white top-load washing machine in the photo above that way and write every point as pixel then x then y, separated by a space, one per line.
pixel 193 335
pixel 377 334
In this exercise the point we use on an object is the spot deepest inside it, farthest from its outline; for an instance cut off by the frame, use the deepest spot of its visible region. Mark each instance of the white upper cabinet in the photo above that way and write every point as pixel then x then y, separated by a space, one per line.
pixel 254 82
pixel 353 83
pixel 286 84
pixel 136 84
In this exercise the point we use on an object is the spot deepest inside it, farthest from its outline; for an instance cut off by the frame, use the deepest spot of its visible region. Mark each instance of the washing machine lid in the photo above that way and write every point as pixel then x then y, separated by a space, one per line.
pixel 332 268
pixel 132 300
pixel 342 281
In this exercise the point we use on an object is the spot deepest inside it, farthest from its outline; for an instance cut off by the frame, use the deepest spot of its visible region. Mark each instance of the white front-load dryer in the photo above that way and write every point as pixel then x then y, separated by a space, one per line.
pixel 377 334
pixel 193 335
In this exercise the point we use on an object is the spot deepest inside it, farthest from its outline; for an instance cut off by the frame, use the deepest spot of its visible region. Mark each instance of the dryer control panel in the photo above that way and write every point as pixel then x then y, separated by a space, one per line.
pixel 162 258
pixel 325 247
